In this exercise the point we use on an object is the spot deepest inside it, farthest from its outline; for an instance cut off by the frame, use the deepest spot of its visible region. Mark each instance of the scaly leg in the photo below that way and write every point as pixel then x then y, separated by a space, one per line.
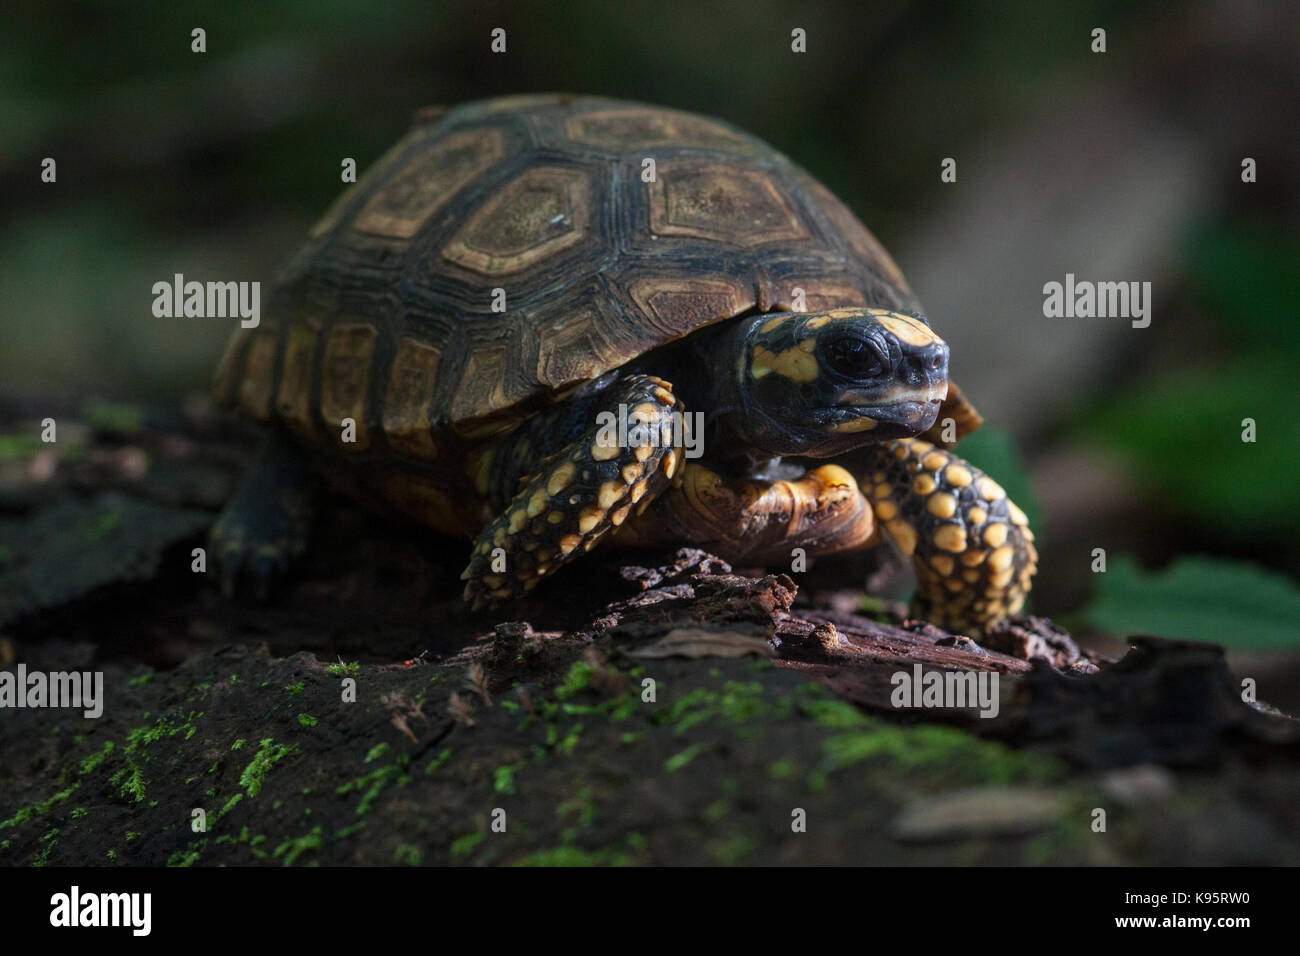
pixel 971 546
pixel 580 494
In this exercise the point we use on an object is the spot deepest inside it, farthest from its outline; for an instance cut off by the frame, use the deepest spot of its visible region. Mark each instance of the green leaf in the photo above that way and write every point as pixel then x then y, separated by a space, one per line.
pixel 1182 434
pixel 1232 603
pixel 1247 280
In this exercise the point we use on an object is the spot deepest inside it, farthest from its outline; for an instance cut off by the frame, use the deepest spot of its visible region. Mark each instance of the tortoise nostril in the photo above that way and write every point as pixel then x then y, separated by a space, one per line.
pixel 936 361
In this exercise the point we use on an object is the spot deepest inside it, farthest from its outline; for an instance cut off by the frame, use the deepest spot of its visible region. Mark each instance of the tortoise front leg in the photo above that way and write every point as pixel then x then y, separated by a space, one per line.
pixel 758 521
pixel 971 546
pixel 581 493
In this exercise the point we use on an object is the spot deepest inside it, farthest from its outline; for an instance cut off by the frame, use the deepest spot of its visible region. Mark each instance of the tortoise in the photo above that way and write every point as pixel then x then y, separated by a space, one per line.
pixel 548 322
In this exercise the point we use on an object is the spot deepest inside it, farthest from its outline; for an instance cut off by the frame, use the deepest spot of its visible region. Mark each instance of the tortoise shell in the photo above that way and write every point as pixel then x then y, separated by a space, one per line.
pixel 515 248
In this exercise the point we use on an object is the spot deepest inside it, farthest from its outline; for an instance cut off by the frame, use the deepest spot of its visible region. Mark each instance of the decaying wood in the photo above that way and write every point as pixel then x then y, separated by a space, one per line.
pixel 545 711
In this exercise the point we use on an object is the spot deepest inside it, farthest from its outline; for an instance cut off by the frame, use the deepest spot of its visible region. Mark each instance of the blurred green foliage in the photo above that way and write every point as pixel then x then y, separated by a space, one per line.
pixel 1181 431
pixel 993 450
pixel 1182 434
pixel 1231 603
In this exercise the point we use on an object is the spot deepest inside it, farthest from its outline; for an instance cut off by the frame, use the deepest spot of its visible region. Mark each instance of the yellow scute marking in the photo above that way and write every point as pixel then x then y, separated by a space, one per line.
pixel 906 329
pixel 794 363
pixel 862 424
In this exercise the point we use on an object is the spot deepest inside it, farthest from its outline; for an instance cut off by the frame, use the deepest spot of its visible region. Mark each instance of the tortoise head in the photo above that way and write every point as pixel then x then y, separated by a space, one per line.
pixel 819 384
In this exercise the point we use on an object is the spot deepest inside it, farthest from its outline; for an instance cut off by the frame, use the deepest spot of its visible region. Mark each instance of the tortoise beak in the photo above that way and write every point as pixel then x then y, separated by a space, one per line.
pixel 903 414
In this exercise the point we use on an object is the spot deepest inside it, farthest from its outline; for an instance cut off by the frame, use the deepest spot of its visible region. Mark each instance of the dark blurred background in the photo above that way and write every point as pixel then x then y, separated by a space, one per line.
pixel 1124 165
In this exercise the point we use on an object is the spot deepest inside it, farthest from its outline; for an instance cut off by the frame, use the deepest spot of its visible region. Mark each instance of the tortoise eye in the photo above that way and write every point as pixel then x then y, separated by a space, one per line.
pixel 855 357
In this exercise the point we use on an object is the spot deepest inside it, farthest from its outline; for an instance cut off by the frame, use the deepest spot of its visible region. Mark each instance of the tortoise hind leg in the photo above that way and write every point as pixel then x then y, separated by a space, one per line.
pixel 578 495
pixel 264 527
pixel 971 546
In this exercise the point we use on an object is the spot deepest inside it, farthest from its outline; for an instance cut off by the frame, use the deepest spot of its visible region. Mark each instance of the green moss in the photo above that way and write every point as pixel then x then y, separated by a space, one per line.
pixel 408 854
pixel 38 809
pixel 835 714
pixel 140 679
pixel 291 850
pixel 50 839
pixel 570 740
pixel 716 810
pixel 295 690
pixel 377 751
pixel 438 761
pixel 733 850
pixel 581 804
pixel 466 844
pixel 230 805
pixel 958 755
pixel 503 780
pixel 130 782
pixel 238 744
pixel 17 447
pixel 736 703
pixel 130 778
pixel 576 680
pixel 373 783
pixel 573 856
pixel 104 525
pixel 268 755
pixel 339 669
pixel 91 763
pixel 307 720
pixel 783 770
pixel 119 418
pixel 679 760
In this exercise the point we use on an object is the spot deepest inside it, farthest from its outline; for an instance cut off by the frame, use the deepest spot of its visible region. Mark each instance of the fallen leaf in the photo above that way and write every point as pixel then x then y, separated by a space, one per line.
pixel 979 812
pixel 697 642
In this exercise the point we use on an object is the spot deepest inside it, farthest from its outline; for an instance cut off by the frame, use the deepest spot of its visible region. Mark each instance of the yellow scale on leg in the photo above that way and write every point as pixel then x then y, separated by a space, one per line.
pixel 971 546
pixel 579 495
